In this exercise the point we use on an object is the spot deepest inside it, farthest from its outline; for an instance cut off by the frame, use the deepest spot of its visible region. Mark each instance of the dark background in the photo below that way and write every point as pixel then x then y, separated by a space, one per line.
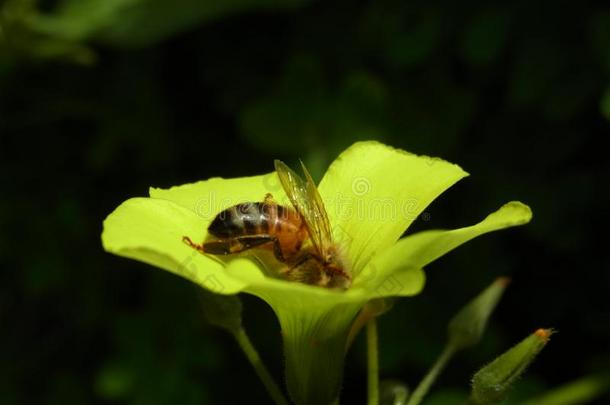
pixel 101 100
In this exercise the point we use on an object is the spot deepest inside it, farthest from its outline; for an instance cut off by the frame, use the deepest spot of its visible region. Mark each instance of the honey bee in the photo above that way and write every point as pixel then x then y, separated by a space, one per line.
pixel 300 236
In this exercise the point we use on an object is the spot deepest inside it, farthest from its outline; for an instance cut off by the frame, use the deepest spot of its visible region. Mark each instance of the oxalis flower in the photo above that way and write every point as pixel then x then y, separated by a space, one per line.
pixel 372 194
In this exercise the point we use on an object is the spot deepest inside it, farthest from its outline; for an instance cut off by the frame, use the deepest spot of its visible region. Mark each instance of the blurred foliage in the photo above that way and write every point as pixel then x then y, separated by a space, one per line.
pixel 101 98
pixel 62 27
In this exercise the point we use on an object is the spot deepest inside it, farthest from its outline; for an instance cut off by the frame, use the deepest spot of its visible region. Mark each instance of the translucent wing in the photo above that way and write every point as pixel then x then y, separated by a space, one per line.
pixel 304 196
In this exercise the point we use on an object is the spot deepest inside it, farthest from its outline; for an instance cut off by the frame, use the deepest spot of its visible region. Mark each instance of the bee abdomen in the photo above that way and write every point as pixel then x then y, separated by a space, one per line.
pixel 241 219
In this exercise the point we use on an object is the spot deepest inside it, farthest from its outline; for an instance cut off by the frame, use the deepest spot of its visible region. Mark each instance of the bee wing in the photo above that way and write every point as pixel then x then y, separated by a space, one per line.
pixel 324 230
pixel 304 196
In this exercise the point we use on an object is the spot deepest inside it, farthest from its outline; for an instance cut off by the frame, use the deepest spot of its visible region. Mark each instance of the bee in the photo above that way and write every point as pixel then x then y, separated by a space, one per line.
pixel 300 236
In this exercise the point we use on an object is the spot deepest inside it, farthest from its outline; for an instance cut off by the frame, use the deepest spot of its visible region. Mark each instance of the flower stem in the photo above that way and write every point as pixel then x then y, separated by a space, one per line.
pixel 430 377
pixel 373 362
pixel 246 346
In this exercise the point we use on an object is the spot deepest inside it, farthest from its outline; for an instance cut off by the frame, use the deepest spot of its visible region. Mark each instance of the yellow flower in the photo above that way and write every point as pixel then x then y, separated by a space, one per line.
pixel 372 194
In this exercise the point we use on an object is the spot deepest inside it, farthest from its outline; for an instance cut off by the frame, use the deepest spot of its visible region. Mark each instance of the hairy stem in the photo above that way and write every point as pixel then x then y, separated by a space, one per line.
pixel 425 384
pixel 246 346
pixel 373 362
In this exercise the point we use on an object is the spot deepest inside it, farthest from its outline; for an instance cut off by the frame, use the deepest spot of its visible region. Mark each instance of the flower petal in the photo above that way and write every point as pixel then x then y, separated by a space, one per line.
pixel 416 251
pixel 391 280
pixel 374 192
pixel 151 230
pixel 208 197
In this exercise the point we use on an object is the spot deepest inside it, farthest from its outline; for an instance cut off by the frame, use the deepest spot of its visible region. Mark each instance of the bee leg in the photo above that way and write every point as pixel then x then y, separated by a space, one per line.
pixel 306 272
pixel 302 260
pixel 192 244
pixel 305 258
pixel 277 250
pixel 235 245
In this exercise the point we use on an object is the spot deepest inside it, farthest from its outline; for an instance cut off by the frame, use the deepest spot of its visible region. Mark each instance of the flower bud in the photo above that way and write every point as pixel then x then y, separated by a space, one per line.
pixel 490 384
pixel 467 327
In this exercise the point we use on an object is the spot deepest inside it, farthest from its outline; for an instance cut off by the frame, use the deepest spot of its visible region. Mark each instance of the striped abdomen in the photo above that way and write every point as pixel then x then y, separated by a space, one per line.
pixel 259 218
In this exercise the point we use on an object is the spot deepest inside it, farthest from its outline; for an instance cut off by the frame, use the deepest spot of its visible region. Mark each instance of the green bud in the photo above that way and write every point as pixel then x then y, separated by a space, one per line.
pixel 467 327
pixel 222 310
pixel 490 385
